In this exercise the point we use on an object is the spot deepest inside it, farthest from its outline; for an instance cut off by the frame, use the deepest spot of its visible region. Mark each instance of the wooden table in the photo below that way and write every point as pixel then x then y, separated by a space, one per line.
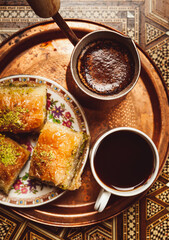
pixel 147 24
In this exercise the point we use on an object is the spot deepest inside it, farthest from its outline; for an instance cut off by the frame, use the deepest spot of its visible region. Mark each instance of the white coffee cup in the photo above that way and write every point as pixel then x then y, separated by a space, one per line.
pixel 107 190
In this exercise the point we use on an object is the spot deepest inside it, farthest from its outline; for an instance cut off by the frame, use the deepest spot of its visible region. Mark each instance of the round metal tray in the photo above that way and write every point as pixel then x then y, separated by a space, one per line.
pixel 42 50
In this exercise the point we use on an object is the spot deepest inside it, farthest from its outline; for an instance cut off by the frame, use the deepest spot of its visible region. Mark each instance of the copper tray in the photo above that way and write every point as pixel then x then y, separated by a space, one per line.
pixel 42 50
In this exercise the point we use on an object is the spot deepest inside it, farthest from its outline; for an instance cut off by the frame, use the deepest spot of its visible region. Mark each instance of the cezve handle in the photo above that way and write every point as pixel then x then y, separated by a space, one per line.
pixel 45 8
pixel 49 8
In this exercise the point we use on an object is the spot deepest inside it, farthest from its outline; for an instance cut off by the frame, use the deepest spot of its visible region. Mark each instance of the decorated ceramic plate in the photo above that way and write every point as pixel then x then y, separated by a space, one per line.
pixel 61 108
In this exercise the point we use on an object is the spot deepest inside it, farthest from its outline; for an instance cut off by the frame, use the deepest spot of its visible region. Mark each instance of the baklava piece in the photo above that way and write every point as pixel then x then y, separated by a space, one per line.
pixel 22 107
pixel 57 157
pixel 12 159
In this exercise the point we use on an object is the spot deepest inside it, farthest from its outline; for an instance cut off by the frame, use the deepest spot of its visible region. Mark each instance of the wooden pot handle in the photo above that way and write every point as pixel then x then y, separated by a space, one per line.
pixel 49 8
pixel 45 8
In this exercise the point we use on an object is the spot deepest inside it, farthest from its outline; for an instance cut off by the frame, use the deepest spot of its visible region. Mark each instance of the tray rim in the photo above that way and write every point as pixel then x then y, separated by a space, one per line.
pixel 147 56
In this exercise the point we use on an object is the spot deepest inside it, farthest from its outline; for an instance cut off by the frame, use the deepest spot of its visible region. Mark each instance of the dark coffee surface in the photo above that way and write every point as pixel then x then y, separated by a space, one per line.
pixel 105 67
pixel 123 160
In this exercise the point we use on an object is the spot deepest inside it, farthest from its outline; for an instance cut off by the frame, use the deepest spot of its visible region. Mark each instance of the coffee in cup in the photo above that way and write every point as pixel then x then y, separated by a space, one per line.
pixel 124 162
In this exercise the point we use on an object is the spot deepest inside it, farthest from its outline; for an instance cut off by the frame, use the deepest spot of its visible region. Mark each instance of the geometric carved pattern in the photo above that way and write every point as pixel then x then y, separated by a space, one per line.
pixel 78 236
pixel 157 11
pixel 164 196
pixel 6 228
pixel 97 233
pixel 34 236
pixel 159 230
pixel 160 56
pixel 165 171
pixel 156 186
pixel 153 208
pixel 152 33
pixel 131 223
pixel 123 18
pixel 127 16
pixel 18 12
pixel 9 224
pixel 33 232
pixel 100 231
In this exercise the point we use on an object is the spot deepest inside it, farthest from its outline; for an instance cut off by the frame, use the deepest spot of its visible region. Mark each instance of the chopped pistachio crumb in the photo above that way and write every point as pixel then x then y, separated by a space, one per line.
pixel 43 154
pixel 12 117
pixel 8 155
pixel 74 151
pixel 47 154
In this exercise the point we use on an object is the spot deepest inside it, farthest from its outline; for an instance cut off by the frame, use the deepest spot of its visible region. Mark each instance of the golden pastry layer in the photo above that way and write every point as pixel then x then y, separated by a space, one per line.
pixel 56 158
pixel 22 108
pixel 12 159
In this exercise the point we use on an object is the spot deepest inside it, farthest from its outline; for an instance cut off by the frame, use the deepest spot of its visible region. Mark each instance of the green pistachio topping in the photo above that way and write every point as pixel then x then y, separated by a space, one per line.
pixel 12 117
pixel 43 154
pixel 8 155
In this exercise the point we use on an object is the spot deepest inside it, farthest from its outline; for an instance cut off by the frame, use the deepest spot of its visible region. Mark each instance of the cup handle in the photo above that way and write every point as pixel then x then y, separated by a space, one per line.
pixel 102 200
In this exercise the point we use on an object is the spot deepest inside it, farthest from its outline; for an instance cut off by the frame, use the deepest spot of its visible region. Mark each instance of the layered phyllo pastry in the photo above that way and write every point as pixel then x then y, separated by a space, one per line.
pixel 57 157
pixel 22 107
pixel 12 159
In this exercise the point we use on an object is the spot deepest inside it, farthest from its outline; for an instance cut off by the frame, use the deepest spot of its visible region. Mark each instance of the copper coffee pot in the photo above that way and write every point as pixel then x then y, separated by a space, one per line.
pixel 49 8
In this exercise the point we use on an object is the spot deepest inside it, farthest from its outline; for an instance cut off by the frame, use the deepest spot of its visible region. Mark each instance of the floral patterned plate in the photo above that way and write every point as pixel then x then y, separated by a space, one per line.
pixel 61 108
